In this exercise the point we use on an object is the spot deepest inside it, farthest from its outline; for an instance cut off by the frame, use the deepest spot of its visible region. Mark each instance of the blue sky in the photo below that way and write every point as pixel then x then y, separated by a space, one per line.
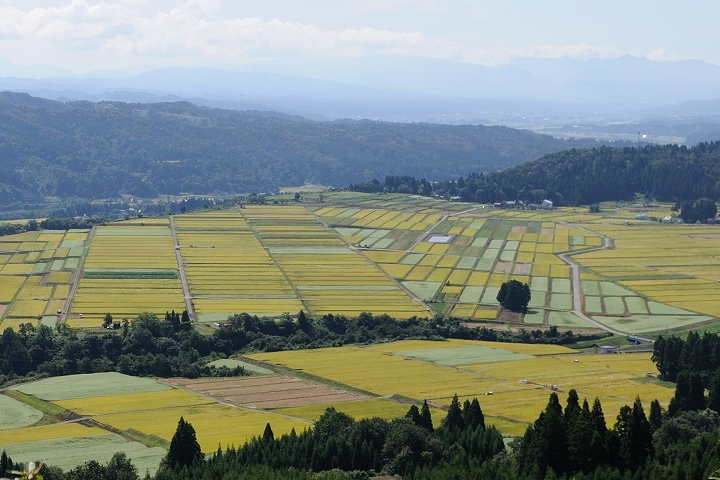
pixel 86 35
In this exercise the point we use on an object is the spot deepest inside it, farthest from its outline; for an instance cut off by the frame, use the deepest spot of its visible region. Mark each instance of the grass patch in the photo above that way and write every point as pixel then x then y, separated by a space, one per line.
pixel 68 453
pixel 88 385
pixel 38 404
pixel 463 355
pixel 16 414
pixel 131 273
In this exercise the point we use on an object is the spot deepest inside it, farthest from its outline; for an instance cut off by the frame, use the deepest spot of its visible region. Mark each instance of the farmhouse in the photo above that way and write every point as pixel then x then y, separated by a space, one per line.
pixel 546 205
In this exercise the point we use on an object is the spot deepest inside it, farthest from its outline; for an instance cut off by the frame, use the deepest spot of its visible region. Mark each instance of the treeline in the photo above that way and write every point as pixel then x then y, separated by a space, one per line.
pixel 172 347
pixel 583 177
pixel 693 364
pixel 574 442
pixel 86 150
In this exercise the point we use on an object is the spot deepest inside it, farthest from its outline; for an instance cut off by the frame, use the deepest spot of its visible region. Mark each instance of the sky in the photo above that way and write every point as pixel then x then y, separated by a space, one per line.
pixel 88 35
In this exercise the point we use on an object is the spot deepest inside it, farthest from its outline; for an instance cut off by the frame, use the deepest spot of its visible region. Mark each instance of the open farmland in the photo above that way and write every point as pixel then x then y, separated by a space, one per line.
pixel 129 269
pixel 396 254
pixel 519 386
pixel 36 273
pixel 228 270
pixel 122 407
pixel 268 391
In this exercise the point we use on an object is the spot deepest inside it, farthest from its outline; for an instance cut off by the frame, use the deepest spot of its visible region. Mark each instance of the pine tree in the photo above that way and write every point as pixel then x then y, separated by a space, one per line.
pixel 655 415
pixel 714 392
pixel 184 448
pixel 454 419
pixel 599 418
pixel 426 416
pixel 580 436
pixel 414 415
pixel 6 463
pixel 268 434
pixel 473 414
pixel 573 406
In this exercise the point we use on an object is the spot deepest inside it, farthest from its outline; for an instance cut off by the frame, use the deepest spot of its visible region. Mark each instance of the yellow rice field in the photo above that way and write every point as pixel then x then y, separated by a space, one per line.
pixel 133 402
pixel 215 425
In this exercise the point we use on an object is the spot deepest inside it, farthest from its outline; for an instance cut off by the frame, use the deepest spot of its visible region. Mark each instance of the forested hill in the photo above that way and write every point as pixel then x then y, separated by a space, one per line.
pixel 98 150
pixel 584 176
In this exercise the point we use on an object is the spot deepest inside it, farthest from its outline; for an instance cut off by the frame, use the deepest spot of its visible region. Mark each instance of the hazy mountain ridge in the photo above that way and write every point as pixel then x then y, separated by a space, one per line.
pixel 541 94
pixel 100 150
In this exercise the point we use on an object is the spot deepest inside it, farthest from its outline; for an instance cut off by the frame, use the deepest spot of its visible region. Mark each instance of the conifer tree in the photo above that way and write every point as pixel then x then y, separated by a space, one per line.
pixel 599 418
pixel 414 415
pixel 473 414
pixel 268 434
pixel 655 415
pixel 184 448
pixel 454 419
pixel 426 416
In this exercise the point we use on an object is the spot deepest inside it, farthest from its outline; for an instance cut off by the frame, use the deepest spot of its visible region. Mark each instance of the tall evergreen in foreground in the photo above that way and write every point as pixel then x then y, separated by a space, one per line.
pixel 184 448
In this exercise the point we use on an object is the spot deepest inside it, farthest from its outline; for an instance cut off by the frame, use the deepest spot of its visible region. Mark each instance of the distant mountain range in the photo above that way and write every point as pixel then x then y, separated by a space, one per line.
pixel 549 95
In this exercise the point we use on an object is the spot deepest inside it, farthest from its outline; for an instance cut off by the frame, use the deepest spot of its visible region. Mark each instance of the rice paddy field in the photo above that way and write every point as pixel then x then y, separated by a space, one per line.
pixel 37 270
pixel 129 269
pixel 512 381
pixel 402 255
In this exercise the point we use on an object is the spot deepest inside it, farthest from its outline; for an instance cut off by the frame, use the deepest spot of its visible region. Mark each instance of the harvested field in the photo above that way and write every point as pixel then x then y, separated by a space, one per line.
pixel 267 391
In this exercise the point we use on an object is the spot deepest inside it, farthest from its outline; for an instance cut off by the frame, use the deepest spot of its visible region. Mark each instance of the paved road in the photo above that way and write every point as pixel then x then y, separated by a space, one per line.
pixel 181 268
pixel 575 273
pixel 77 275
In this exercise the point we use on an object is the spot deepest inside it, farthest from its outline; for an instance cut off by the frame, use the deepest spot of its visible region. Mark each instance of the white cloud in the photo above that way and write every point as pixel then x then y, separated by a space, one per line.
pixel 200 30
pixel 187 30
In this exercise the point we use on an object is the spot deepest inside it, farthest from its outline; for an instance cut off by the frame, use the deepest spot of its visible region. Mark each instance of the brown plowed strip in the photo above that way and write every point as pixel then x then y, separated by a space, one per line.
pixel 503 267
pixel 547 231
pixel 518 229
pixel 522 268
pixel 267 391
pixel 2 310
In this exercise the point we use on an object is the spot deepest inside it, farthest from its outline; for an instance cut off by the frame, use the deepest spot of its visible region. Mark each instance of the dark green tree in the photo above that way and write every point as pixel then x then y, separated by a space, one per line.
pixel 454 420
pixel 656 415
pixel 514 296
pixel 599 418
pixel 120 468
pixel 414 415
pixel 714 392
pixel 268 433
pixel 107 320
pixel 473 414
pixel 6 463
pixel 184 448
pixel 426 416
pixel 704 208
pixel 573 406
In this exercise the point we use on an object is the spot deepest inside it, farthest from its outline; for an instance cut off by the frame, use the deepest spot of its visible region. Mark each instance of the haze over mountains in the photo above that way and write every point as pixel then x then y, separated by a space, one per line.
pixel 616 98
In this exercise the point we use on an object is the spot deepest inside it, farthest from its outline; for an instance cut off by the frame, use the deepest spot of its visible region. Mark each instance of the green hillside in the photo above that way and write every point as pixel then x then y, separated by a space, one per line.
pixel 100 150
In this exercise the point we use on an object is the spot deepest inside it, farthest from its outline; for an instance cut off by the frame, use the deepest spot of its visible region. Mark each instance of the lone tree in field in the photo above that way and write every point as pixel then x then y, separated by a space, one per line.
pixel 514 296
pixel 184 448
